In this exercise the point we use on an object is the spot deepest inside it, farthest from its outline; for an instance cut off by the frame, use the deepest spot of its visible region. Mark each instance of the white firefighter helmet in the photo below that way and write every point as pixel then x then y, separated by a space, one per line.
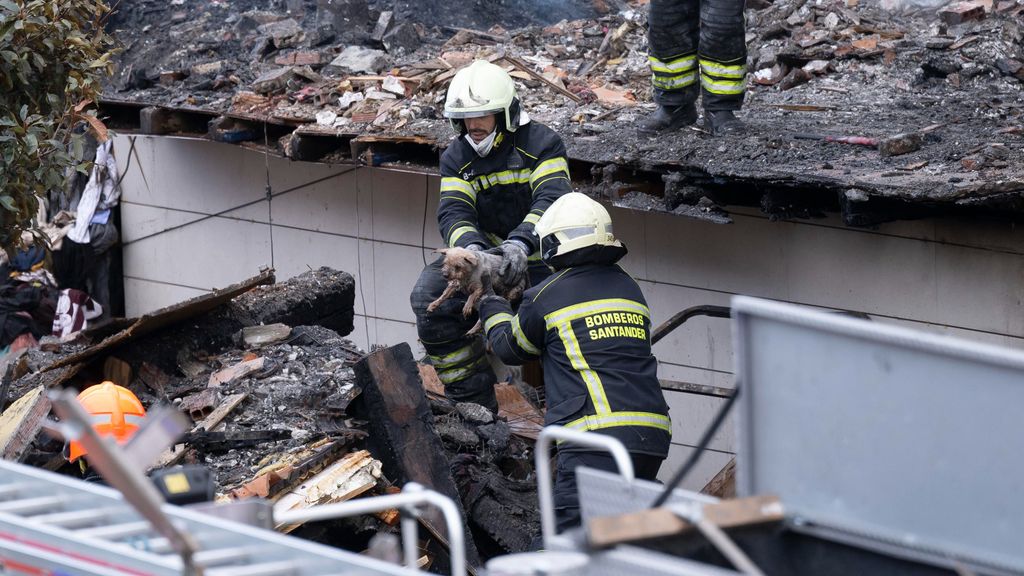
pixel 572 222
pixel 481 89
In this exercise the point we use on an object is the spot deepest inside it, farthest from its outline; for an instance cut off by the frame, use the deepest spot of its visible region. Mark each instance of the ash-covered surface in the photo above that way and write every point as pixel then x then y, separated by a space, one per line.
pixel 493 470
pixel 817 68
pixel 304 387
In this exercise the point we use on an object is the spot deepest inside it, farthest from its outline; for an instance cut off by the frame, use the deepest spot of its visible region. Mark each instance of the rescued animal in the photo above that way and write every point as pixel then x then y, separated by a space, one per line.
pixel 470 271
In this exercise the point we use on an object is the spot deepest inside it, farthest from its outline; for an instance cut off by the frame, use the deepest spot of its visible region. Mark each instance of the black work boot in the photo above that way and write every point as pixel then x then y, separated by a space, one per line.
pixel 667 118
pixel 720 122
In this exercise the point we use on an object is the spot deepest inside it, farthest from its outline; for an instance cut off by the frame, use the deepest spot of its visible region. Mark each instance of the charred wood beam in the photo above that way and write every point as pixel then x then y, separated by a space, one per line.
pixel 160 121
pixel 402 433
pixel 308 146
pixel 411 152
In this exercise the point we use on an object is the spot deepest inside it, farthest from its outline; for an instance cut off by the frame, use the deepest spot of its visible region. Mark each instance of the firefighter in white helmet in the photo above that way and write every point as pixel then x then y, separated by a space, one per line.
pixel 590 326
pixel 497 179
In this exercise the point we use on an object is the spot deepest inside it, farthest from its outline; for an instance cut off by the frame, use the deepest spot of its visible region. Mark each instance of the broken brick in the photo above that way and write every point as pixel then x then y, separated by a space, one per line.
pixel 796 77
pixel 301 58
pixel 962 12
pixel 273 81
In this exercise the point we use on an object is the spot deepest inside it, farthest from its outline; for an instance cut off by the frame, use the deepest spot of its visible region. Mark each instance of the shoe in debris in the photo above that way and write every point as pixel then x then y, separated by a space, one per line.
pixel 668 118
pixel 720 122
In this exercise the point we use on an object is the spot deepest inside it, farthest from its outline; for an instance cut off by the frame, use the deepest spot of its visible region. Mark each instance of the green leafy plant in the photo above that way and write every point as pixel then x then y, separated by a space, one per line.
pixel 54 55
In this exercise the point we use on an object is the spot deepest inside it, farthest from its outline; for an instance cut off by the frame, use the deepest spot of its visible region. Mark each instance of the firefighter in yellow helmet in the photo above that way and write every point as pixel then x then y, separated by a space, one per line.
pixel 590 326
pixel 497 179
pixel 115 412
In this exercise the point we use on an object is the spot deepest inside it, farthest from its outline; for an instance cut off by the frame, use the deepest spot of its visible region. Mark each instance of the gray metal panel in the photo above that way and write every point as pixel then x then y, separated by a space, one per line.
pixel 907 438
pixel 608 494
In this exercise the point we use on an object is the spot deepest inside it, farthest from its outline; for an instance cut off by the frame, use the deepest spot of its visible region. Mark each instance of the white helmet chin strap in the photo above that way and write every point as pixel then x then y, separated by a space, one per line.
pixel 484 147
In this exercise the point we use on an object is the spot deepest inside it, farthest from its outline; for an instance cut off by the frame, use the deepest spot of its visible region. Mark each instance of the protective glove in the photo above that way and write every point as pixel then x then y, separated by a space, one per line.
pixel 475 247
pixel 513 261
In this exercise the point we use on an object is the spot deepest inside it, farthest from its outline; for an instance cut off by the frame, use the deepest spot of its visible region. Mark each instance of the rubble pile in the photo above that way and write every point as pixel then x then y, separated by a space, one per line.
pixel 279 412
pixel 850 96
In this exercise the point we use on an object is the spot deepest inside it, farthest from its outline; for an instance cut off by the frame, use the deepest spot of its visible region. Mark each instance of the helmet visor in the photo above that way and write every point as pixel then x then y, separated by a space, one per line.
pixel 457 114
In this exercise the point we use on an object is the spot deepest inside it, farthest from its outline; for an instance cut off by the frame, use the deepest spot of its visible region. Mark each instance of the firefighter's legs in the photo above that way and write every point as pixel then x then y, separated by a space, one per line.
pixel 460 360
pixel 722 54
pixel 673 35
pixel 696 47
pixel 567 502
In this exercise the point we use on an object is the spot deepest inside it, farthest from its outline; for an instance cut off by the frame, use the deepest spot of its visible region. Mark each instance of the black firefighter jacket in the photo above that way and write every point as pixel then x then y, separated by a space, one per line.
pixel 591 327
pixel 502 195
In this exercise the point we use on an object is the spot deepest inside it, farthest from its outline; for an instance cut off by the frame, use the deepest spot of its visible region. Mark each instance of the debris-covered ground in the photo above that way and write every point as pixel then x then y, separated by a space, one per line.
pixel 274 414
pixel 944 81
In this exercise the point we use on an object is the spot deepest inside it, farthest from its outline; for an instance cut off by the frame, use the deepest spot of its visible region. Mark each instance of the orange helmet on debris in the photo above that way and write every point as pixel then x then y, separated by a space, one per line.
pixel 114 411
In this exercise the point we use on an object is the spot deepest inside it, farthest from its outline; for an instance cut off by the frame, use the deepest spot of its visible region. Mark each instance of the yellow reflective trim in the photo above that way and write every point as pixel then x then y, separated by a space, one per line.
pixel 525 152
pixel 498 318
pixel 449 375
pixel 504 177
pixel 521 339
pixel 458 233
pixel 532 218
pixel 594 386
pixel 452 358
pixel 614 419
pixel 723 70
pixel 548 167
pixel 550 178
pixel 673 66
pixel 550 282
pixel 722 86
pixel 443 198
pixel 576 311
pixel 674 82
pixel 449 184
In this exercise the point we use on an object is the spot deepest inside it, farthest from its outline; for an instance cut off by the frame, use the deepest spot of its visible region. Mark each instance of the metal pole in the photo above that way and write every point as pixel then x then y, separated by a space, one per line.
pixel 542 454
pixel 693 513
pixel 411 497
pixel 138 490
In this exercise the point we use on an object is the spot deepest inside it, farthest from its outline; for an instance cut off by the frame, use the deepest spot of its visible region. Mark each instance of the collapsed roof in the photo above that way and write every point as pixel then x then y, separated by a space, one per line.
pixel 934 90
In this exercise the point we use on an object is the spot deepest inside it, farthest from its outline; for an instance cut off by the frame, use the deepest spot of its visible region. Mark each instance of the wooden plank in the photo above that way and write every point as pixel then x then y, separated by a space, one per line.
pixel 723 485
pixel 402 430
pixel 661 522
pixel 171 457
pixel 540 77
pixel 691 388
pixel 524 419
pixel 351 476
pixel 20 423
pixel 168 316
pixel 236 372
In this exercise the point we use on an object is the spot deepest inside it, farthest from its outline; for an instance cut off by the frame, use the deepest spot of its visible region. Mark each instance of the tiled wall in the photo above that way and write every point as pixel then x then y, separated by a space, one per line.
pixel 963 279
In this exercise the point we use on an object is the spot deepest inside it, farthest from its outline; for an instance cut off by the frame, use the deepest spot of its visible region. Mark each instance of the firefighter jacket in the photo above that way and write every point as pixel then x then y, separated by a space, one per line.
pixel 591 328
pixel 502 195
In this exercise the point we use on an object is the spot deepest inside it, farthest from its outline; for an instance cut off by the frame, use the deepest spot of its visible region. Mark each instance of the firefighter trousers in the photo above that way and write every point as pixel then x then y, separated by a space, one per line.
pixel 566 496
pixel 698 47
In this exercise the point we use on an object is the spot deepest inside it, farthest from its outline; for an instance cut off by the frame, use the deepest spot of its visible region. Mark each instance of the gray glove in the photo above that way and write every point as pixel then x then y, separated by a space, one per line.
pixel 475 247
pixel 513 261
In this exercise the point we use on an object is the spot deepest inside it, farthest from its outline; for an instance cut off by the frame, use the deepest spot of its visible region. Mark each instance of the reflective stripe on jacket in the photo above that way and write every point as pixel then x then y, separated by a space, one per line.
pixel 503 194
pixel 591 328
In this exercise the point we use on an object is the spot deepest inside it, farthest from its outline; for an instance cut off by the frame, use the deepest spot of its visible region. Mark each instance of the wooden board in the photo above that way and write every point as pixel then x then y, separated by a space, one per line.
pixel 165 317
pixel 211 422
pixel 661 522
pixel 402 430
pixel 20 423
pixel 351 476
pixel 523 418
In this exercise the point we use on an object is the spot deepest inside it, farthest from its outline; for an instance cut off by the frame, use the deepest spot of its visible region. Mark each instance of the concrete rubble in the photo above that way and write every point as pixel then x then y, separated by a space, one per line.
pixel 279 412
pixel 844 67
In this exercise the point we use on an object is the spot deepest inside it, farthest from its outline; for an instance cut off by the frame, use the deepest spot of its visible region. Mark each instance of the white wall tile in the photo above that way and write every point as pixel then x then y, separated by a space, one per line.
pixel 143 296
pixel 710 464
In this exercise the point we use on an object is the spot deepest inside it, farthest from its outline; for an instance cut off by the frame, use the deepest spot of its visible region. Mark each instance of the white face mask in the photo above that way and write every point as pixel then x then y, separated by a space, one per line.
pixel 484 147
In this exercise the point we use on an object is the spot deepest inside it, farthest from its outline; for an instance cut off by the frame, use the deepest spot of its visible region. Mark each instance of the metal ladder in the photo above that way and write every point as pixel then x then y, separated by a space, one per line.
pixel 54 524
pixel 57 525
